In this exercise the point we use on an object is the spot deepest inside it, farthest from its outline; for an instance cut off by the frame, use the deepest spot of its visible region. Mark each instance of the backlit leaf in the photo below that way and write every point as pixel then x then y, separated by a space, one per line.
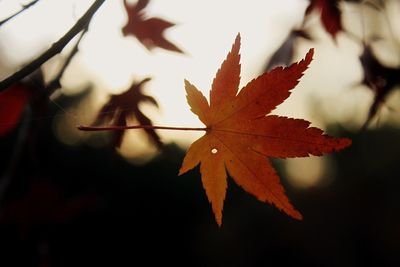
pixel 241 135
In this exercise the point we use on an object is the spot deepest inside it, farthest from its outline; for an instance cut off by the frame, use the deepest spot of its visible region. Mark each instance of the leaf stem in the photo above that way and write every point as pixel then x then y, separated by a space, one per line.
pixel 120 128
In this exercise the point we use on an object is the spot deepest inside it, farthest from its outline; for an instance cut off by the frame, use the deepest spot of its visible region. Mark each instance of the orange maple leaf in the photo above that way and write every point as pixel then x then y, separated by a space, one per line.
pixel 240 136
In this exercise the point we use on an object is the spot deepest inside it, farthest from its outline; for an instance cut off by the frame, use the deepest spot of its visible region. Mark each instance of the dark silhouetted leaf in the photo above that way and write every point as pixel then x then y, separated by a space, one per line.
pixel 123 107
pixel 379 78
pixel 149 31
pixel 284 54
pixel 44 203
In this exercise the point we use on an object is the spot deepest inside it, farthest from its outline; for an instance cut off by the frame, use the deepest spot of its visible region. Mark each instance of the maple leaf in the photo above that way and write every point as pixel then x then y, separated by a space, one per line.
pixel 284 54
pixel 240 136
pixel 125 106
pixel 379 78
pixel 12 103
pixel 149 31
pixel 331 16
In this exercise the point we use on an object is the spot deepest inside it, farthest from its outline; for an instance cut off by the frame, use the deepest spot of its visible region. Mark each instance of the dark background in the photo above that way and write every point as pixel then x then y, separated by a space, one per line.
pixel 85 206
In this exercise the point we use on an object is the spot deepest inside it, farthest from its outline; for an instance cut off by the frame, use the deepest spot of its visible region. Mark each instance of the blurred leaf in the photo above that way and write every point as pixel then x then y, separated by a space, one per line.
pixel 124 107
pixel 379 78
pixel 12 103
pixel 43 203
pixel 149 31
pixel 330 15
pixel 283 56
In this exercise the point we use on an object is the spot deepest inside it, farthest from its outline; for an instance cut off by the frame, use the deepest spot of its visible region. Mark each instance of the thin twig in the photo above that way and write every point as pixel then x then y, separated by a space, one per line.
pixel 55 83
pixel 24 8
pixel 121 128
pixel 54 49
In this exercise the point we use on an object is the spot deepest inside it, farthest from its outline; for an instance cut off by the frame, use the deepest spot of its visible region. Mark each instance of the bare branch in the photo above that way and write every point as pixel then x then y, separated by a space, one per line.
pixel 56 48
pixel 55 83
pixel 24 8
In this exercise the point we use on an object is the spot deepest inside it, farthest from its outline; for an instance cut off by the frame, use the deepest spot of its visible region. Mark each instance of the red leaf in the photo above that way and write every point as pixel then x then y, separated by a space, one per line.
pixel 149 31
pixel 12 102
pixel 125 106
pixel 330 15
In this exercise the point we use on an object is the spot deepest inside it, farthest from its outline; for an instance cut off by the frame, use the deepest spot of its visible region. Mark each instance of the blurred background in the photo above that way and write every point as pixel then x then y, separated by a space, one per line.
pixel 72 198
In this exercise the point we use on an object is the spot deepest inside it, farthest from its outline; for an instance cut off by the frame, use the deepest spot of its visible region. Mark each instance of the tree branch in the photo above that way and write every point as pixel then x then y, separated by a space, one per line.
pixel 24 8
pixel 54 49
pixel 55 83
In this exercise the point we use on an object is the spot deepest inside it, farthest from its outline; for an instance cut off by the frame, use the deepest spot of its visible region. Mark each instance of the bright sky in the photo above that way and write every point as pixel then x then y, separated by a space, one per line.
pixel 205 30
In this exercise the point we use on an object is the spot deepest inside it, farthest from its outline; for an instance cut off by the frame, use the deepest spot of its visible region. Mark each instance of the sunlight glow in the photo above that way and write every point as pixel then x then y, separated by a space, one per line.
pixel 111 60
pixel 308 172
pixel 205 30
